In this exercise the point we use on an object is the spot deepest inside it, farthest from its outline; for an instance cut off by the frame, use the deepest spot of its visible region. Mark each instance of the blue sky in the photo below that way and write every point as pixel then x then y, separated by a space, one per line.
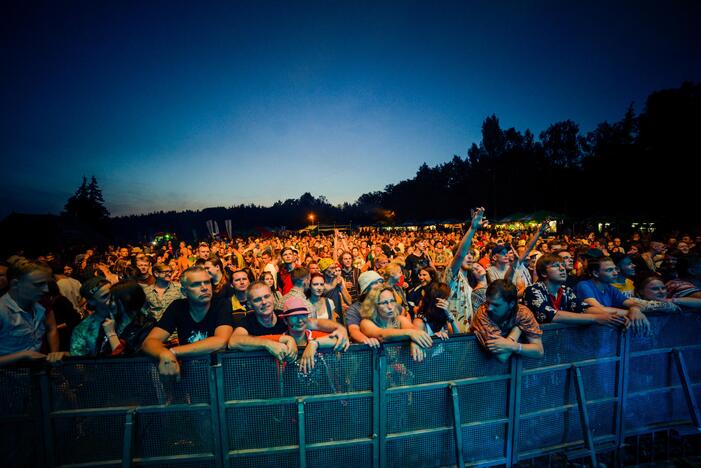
pixel 176 105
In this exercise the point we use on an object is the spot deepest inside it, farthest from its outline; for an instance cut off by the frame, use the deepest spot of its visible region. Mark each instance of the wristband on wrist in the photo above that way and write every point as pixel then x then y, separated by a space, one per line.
pixel 520 348
pixel 110 335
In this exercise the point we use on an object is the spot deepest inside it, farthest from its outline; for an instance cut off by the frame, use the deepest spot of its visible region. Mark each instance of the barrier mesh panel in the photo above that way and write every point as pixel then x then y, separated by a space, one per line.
pixel 281 460
pixel 126 383
pixel 327 421
pixel 263 377
pixel 88 439
pixel 483 442
pixel 655 408
pixel 425 450
pixel 19 444
pixel 564 345
pixel 179 433
pixel 17 394
pixel 262 426
pixel 556 388
pixel 425 409
pixel 481 401
pixel 669 331
pixel 655 371
pixel 692 358
pixel 446 360
pixel 358 456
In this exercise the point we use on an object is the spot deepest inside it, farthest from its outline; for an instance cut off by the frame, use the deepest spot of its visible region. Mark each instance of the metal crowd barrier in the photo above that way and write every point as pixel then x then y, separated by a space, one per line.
pixel 593 388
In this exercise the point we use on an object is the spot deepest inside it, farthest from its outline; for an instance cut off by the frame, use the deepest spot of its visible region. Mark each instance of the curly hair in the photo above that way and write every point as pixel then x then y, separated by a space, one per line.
pixel 368 309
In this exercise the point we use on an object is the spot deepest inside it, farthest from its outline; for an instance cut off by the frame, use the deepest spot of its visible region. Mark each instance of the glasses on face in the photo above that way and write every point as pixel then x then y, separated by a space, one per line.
pixel 387 302
pixel 167 272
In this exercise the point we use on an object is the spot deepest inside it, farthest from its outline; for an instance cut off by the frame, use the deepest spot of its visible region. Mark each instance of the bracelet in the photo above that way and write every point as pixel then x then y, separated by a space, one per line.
pixel 520 348
pixel 110 335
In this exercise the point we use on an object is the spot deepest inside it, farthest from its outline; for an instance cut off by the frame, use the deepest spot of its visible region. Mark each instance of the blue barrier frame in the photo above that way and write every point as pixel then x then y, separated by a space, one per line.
pixel 680 386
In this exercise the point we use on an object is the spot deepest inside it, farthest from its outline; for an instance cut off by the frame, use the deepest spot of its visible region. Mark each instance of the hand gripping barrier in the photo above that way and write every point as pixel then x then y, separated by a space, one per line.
pixel 594 387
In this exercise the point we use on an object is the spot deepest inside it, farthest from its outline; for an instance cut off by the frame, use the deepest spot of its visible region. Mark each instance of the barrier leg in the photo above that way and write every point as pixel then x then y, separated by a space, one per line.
pixel 514 411
pixel 376 379
pixel 583 414
pixel 218 414
pixel 688 390
pixel 382 366
pixel 46 418
pixel 300 428
pixel 128 441
pixel 457 426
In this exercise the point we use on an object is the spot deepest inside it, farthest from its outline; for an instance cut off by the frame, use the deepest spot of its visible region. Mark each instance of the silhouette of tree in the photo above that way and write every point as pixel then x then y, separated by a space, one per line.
pixel 87 204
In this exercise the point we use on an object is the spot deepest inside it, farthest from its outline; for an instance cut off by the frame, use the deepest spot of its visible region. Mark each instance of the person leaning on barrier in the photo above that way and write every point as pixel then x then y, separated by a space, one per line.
pixel 434 317
pixel 367 281
pixel 551 300
pixel 23 320
pixel 598 292
pixel 383 320
pixel 296 316
pixel 203 325
pixel 652 288
pixel 263 320
pixel 89 336
pixel 499 323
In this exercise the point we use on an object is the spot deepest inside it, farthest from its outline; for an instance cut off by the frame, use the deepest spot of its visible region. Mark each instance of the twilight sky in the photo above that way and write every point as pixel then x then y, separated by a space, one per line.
pixel 176 105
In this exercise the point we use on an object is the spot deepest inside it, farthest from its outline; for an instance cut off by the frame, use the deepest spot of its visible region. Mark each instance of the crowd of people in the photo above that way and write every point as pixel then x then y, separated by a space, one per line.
pixel 283 293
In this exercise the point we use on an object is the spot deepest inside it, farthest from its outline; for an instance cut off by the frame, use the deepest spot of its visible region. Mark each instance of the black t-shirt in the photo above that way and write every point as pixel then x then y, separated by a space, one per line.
pixel 177 317
pixel 254 328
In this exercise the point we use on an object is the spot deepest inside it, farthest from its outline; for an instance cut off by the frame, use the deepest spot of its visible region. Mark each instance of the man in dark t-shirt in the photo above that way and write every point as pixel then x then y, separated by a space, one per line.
pixel 204 326
pixel 264 320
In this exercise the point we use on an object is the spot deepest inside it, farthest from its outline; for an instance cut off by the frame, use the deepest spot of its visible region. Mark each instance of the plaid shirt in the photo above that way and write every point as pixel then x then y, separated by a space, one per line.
pixel 156 305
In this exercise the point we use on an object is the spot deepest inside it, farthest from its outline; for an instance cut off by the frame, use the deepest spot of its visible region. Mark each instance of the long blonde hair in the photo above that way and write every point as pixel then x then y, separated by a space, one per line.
pixel 368 309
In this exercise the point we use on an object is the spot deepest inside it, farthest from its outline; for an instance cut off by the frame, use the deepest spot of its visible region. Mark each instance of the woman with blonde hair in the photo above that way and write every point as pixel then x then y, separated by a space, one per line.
pixel 382 319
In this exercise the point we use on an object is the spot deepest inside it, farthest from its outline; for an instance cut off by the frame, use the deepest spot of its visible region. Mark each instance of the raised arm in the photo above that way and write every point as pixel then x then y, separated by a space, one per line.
pixel 476 223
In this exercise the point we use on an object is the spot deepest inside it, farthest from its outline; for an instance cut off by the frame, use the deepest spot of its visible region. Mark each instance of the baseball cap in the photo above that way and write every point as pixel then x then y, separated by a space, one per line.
pixel 499 249
pixel 294 306
pixel 91 286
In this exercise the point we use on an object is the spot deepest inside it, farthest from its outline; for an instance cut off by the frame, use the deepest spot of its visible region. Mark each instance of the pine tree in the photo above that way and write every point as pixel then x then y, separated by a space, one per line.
pixel 87 204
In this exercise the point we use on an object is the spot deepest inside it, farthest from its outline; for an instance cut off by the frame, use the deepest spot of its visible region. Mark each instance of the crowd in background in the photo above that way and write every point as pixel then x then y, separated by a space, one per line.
pixel 283 293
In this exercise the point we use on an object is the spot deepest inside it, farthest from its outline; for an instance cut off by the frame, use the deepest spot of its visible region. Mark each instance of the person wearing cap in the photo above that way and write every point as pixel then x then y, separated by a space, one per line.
pixel 284 274
pixel 24 322
pixel 351 318
pixel 204 325
pixel 296 315
pixel 263 320
pixel 89 336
